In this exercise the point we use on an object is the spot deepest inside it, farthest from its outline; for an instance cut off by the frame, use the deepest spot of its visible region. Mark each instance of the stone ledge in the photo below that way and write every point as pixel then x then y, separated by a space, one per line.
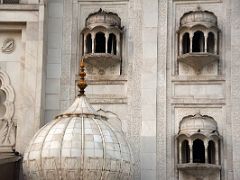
pixel 8 158
pixel 105 80
pixel 19 7
pixel 197 78
pixel 200 101
pixel 108 100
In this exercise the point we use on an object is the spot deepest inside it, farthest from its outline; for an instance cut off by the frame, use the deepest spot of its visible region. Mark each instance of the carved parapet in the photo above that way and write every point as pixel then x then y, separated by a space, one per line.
pixel 199 170
pixel 103 60
pixel 198 60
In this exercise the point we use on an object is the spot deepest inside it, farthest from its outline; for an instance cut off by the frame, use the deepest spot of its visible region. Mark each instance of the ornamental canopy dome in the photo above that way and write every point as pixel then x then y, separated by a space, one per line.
pixel 198 17
pixel 78 144
pixel 198 123
pixel 103 18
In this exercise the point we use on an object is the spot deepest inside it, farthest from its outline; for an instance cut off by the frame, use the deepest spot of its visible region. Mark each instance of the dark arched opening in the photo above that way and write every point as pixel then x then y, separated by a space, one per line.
pixel 100 43
pixel 88 43
pixel 198 42
pixel 186 43
pixel 198 151
pixel 210 43
pixel 211 152
pixel 185 152
pixel 112 44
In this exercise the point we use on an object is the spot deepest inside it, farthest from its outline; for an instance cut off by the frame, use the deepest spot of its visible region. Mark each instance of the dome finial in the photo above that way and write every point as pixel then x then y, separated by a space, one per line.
pixel 82 84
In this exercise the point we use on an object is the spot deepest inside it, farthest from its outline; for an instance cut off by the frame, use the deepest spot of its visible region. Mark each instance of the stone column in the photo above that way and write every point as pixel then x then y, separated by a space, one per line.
pixel 206 151
pixel 85 44
pixel 191 39
pixel 191 151
pixel 118 44
pixel 205 41
pixel 93 42
pixel 180 45
pixel 216 153
pixel 215 43
pixel 180 153
pixel 106 42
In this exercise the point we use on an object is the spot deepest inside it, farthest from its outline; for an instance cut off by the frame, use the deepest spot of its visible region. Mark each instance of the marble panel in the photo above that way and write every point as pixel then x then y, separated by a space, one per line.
pixel 213 91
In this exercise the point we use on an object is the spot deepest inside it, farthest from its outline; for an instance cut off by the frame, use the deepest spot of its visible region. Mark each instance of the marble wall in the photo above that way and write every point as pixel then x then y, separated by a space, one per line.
pixel 22 62
pixel 154 92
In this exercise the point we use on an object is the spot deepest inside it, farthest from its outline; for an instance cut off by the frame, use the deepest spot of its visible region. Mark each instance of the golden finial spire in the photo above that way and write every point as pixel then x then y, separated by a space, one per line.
pixel 82 84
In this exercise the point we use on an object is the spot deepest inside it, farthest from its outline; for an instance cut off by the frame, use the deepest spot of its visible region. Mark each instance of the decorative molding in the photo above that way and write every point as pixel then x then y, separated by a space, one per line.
pixel 7 124
pixel 8 46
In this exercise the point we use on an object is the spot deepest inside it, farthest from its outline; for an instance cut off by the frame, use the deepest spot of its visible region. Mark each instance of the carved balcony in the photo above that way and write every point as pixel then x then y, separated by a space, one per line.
pixel 199 170
pixel 102 60
pixel 198 60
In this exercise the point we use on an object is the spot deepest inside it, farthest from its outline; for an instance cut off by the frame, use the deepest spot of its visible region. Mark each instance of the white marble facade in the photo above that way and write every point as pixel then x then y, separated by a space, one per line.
pixel 150 91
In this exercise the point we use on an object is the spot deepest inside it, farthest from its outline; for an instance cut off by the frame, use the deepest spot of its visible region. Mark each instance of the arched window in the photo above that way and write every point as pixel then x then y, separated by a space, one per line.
pixel 198 151
pixel 186 43
pixel 89 43
pixel 210 43
pixel 211 152
pixel 198 42
pixel 112 44
pixel 100 43
pixel 185 152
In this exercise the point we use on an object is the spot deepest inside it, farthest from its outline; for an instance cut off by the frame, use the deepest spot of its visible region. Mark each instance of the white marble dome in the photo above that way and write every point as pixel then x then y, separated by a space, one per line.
pixel 198 123
pixel 78 144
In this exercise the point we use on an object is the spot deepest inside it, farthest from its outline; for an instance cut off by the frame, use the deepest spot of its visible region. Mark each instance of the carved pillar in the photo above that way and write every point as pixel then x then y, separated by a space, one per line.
pixel 118 45
pixel 205 41
pixel 206 150
pixel 180 45
pixel 93 42
pixel 180 152
pixel 191 151
pixel 215 44
pixel 106 42
pixel 191 43
pixel 85 44
pixel 217 152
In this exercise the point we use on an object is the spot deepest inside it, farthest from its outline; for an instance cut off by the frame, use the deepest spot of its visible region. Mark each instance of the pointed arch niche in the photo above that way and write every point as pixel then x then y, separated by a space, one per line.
pixel 7 125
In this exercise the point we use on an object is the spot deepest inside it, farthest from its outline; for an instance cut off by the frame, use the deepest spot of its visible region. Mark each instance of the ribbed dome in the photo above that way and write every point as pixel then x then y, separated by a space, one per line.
pixel 103 18
pixel 78 144
pixel 193 124
pixel 193 18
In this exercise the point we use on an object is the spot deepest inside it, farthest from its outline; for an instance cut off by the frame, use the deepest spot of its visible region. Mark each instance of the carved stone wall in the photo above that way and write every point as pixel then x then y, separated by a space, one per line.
pixel 21 58
pixel 7 124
